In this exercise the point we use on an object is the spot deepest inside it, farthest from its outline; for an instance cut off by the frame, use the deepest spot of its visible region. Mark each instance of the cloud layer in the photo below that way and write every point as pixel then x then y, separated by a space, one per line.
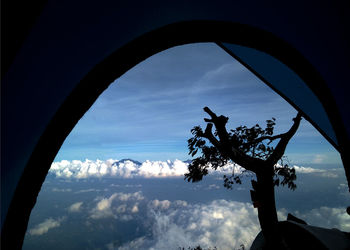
pixel 125 169
pixel 221 223
pixel 174 224
pixel 148 169
pixel 178 223
pixel 224 224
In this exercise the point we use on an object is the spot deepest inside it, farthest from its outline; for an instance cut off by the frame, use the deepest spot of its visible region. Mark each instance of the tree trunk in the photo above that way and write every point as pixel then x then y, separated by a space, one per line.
pixel 267 211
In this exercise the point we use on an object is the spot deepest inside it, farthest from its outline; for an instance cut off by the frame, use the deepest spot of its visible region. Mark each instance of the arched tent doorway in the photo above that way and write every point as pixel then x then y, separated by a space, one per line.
pixel 116 64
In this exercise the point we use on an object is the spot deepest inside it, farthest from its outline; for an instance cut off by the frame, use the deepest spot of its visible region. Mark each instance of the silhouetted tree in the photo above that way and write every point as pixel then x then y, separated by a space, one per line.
pixel 251 149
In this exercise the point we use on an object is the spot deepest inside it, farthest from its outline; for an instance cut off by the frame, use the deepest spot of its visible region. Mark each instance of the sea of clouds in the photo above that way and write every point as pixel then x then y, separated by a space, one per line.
pixel 147 169
pixel 173 224
pixel 221 223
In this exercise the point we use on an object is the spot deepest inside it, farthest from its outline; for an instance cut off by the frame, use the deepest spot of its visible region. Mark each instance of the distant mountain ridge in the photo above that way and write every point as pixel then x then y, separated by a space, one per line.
pixel 127 159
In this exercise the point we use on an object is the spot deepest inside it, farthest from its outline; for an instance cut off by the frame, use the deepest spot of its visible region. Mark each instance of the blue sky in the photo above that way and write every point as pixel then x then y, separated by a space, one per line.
pixel 149 111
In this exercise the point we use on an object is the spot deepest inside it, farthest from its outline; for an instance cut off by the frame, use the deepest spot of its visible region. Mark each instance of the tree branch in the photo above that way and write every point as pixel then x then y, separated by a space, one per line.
pixel 209 135
pixel 220 123
pixel 224 145
pixel 282 144
pixel 211 113
pixel 271 138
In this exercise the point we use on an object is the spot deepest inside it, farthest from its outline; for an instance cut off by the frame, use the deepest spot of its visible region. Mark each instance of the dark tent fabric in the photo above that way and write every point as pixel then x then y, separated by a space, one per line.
pixel 301 236
pixel 288 84
pixel 61 55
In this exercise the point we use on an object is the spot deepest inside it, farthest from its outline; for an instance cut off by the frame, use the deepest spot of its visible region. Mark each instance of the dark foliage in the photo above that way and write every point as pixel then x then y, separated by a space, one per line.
pixel 255 142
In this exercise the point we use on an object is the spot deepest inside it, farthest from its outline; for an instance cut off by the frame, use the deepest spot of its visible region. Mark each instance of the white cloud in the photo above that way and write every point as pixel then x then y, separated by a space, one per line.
pixel 135 208
pixel 224 224
pixel 308 170
pixel 180 203
pixel 87 190
pixel 138 243
pixel 111 207
pixel 103 208
pixel 327 217
pixel 282 214
pixel 62 190
pixel 318 158
pixel 130 196
pixel 157 204
pixel 221 223
pixel 218 78
pixel 343 186
pixel 148 169
pixel 75 207
pixel 344 191
pixel 132 186
pixel 125 217
pixel 213 186
pixel 127 169
pixel 45 226
pixel 328 173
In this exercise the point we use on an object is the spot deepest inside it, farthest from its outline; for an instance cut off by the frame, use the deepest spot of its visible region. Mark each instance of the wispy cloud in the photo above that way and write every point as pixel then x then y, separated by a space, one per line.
pixel 75 207
pixel 318 158
pixel 308 170
pixel 45 226
pixel 327 173
pixel 61 190
pixel 86 190
pixel 213 186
